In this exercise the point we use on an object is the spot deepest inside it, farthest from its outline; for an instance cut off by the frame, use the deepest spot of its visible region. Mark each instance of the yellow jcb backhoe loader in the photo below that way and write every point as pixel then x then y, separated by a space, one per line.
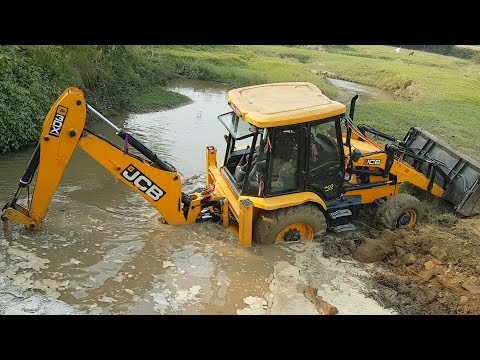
pixel 307 168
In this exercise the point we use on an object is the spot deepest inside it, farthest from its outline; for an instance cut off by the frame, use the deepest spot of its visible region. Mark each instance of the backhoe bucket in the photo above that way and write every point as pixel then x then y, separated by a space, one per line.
pixel 462 186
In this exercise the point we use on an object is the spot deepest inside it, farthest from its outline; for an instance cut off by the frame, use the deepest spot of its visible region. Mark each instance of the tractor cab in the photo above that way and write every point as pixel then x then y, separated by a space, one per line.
pixel 283 138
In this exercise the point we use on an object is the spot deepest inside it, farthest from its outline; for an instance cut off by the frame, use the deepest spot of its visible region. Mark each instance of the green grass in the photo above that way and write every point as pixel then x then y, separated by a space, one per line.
pixel 233 65
pixel 112 77
pixel 157 98
pixel 438 93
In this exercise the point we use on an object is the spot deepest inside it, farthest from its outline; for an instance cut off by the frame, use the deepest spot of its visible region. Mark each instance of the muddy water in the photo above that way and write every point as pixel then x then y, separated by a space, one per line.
pixel 104 250
pixel 181 135
pixel 348 89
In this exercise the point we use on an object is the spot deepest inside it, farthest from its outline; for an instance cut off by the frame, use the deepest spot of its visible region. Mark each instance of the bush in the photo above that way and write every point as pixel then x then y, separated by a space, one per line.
pixel 31 77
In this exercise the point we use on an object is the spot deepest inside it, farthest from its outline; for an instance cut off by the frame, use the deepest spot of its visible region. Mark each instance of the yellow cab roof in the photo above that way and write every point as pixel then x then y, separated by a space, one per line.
pixel 281 104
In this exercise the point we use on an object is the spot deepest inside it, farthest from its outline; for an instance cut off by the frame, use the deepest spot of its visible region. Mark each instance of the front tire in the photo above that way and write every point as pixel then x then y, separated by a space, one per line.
pixel 401 211
pixel 294 223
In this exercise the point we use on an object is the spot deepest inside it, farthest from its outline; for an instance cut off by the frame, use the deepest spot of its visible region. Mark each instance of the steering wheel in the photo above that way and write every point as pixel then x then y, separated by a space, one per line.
pixel 240 169
pixel 326 143
pixel 242 161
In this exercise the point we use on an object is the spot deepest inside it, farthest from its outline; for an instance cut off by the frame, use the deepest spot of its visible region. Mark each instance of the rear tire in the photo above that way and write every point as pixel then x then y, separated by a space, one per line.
pixel 301 222
pixel 400 211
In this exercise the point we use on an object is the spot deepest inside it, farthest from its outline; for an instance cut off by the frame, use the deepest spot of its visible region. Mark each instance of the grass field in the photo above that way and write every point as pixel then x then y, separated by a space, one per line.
pixel 438 93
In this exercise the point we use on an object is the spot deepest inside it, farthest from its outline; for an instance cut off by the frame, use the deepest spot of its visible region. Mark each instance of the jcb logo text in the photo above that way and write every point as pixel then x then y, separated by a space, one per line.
pixel 372 162
pixel 143 183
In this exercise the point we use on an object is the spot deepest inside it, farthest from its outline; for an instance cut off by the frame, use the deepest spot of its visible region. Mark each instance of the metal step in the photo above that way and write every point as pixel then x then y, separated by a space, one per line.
pixel 343 228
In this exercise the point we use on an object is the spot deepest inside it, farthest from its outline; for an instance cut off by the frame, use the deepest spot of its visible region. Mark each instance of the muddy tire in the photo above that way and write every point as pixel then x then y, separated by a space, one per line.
pixel 301 222
pixel 400 211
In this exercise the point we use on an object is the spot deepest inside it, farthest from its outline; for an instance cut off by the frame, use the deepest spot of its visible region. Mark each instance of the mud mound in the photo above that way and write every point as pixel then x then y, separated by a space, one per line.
pixel 433 271
pixel 338 246
pixel 363 246
pixel 374 250
pixel 429 270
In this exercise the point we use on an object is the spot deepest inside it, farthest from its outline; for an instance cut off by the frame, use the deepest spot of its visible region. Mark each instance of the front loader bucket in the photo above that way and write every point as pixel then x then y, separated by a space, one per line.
pixel 462 186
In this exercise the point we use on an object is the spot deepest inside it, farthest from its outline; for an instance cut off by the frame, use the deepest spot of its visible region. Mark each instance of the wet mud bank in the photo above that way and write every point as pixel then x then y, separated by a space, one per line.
pixel 428 270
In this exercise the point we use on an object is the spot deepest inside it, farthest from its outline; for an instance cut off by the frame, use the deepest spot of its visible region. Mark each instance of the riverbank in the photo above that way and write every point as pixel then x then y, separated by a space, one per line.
pixel 436 92
pixel 114 79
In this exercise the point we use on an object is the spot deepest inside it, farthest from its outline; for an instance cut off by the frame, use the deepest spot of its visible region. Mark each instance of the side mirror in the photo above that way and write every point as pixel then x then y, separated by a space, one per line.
pixel 356 155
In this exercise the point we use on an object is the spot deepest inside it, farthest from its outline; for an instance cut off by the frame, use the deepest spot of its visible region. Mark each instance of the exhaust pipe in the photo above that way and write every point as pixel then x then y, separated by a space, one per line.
pixel 352 106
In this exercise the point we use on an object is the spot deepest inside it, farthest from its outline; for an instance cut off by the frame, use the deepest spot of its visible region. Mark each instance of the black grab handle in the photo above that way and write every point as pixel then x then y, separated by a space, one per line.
pixel 31 168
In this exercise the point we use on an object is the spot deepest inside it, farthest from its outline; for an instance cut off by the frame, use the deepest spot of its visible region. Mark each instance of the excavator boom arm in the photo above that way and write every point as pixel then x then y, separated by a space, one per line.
pixel 161 188
pixel 62 131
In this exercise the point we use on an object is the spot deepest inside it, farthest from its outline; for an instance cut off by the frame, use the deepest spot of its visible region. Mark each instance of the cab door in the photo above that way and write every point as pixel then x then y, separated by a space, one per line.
pixel 324 166
pixel 285 161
